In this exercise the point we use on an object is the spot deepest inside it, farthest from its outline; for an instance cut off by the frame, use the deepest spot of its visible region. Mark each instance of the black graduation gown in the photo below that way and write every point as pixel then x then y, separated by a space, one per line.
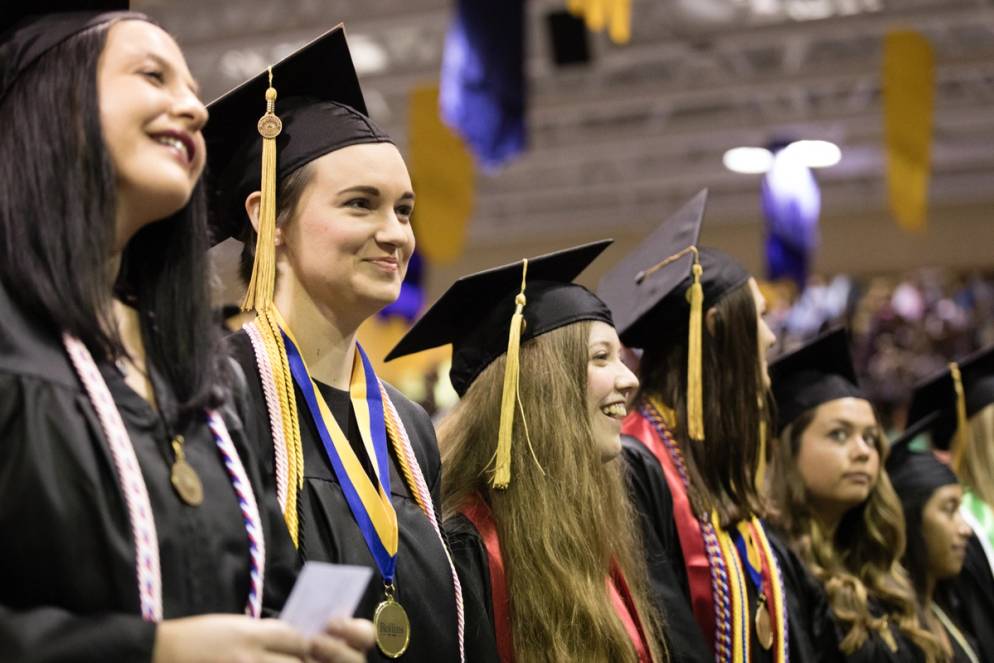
pixel 328 531
pixel 813 616
pixel 67 562
pixel 473 565
pixel 653 502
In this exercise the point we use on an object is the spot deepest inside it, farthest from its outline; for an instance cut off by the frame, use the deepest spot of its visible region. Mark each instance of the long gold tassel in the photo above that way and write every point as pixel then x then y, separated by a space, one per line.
pixel 962 436
pixel 259 295
pixel 761 462
pixel 509 395
pixel 695 382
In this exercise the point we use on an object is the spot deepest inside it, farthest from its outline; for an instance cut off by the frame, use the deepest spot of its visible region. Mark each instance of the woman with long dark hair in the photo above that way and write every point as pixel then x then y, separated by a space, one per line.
pixel 930 497
pixel 956 409
pixel 534 496
pixel 834 505
pixel 694 443
pixel 129 520
pixel 328 237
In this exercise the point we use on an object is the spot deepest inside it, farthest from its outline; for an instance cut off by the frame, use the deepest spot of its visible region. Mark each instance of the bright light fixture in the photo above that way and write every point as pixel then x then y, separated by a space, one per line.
pixel 758 160
pixel 816 153
pixel 748 160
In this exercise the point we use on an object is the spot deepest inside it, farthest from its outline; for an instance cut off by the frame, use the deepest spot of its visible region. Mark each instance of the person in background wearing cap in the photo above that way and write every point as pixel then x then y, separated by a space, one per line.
pixel 534 499
pixel 328 237
pixel 694 442
pixel 956 408
pixel 930 496
pixel 129 521
pixel 835 506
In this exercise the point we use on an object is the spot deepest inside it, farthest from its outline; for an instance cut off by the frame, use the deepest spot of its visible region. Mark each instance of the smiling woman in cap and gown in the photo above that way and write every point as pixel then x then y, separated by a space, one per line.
pixel 956 407
pixel 328 238
pixel 533 496
pixel 836 507
pixel 131 510
pixel 694 445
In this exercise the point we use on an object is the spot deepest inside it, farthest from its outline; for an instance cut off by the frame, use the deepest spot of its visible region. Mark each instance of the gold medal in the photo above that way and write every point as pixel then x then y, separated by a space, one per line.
pixel 764 627
pixel 184 478
pixel 393 628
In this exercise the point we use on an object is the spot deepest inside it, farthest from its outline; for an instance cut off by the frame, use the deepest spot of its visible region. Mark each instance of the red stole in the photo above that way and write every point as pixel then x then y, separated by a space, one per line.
pixel 479 514
pixel 688 527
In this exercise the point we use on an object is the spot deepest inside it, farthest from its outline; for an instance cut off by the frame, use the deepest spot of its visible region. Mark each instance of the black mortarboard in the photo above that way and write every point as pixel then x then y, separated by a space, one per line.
pixel 916 475
pixel 667 280
pixel 474 313
pixel 816 373
pixel 490 313
pixel 660 295
pixel 320 105
pixel 28 30
pixel 947 400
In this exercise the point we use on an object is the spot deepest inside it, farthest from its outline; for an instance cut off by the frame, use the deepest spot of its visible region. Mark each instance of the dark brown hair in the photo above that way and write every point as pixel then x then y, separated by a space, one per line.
pixel 722 467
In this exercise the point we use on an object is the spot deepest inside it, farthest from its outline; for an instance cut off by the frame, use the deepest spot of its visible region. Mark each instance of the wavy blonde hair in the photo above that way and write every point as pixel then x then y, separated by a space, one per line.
pixel 565 516
pixel 862 562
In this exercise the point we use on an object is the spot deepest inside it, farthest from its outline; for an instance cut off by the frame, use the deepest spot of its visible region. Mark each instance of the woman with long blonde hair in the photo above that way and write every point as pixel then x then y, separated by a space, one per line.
pixel 834 505
pixel 533 497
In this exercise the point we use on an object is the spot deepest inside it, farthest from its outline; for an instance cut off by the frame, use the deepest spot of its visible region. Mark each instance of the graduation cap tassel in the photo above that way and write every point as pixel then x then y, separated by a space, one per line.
pixel 259 295
pixel 761 461
pixel 509 395
pixel 695 387
pixel 962 436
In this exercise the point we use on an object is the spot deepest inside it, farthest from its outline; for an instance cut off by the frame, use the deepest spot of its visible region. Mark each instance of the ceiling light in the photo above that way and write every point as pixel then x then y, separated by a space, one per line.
pixel 815 153
pixel 748 160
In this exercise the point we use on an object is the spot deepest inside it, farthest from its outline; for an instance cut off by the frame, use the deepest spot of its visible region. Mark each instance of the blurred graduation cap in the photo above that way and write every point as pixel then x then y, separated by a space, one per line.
pixel 944 403
pixel 818 372
pixel 666 279
pixel 28 30
pixel 313 105
pixel 488 314
pixel 916 475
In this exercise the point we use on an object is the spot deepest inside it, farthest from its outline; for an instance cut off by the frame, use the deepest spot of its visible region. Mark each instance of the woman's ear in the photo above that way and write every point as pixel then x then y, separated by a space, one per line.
pixel 711 319
pixel 252 204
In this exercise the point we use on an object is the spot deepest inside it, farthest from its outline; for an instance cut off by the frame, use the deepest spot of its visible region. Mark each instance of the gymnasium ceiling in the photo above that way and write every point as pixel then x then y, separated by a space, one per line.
pixel 626 138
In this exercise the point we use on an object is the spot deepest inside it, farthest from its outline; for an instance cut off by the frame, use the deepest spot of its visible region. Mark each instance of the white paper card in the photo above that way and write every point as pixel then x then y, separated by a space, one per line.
pixel 324 591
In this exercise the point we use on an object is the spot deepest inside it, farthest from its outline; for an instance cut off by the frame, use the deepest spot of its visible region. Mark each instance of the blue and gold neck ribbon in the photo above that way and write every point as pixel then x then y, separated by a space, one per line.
pixel 369 502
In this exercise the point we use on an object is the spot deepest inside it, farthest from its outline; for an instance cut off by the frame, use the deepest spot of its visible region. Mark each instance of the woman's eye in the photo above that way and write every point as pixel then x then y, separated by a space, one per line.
pixel 155 75
pixel 404 211
pixel 358 203
pixel 838 435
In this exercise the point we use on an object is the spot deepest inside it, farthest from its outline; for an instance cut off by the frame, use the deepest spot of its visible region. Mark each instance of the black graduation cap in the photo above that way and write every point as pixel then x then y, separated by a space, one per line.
pixel 475 312
pixel 948 405
pixel 916 475
pixel 669 280
pixel 649 286
pixel 490 313
pixel 816 373
pixel 28 30
pixel 321 107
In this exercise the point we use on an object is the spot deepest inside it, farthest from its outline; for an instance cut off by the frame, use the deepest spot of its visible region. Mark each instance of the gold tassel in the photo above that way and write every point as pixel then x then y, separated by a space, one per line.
pixel 259 297
pixel 509 395
pixel 259 294
pixel 761 463
pixel 695 382
pixel 962 436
